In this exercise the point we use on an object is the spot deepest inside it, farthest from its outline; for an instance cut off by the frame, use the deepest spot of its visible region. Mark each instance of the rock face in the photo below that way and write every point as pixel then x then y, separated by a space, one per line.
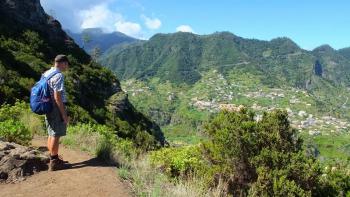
pixel 17 162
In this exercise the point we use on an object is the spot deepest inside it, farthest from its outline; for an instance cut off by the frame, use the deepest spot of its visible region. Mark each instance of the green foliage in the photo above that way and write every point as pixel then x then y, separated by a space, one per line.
pixel 83 136
pixel 258 158
pixel 28 52
pixel 178 162
pixel 104 149
pixel 101 141
pixel 338 178
pixel 14 131
pixel 21 114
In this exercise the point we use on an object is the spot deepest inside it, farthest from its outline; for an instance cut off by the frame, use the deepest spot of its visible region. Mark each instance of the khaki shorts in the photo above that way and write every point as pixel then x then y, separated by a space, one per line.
pixel 55 124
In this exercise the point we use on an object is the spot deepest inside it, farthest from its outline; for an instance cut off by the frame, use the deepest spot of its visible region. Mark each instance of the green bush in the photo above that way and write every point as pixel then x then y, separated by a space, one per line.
pixel 337 178
pixel 179 162
pixel 14 131
pixel 126 148
pixel 262 158
pixel 20 112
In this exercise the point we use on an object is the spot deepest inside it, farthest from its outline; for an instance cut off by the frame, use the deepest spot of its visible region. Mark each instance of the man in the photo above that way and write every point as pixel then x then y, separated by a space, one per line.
pixel 57 120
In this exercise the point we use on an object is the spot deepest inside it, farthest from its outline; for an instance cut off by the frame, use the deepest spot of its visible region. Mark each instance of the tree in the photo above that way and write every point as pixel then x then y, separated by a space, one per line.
pixel 262 158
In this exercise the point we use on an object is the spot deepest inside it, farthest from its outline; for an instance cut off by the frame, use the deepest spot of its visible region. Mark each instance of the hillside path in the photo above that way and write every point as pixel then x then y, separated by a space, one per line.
pixel 87 177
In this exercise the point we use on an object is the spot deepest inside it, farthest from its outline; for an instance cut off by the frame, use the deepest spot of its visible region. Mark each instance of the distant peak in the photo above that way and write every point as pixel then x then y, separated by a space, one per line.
pixel 95 30
pixel 324 48
pixel 283 40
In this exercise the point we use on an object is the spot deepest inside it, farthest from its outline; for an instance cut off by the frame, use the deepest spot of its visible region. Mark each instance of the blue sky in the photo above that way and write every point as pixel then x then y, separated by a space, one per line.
pixel 310 23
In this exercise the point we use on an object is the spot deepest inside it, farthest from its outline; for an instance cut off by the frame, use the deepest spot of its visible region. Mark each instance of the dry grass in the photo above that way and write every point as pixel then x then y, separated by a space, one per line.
pixel 34 123
pixel 147 181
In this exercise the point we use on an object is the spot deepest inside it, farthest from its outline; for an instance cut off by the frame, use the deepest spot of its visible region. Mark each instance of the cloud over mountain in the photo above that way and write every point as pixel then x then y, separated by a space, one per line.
pixel 151 23
pixel 185 28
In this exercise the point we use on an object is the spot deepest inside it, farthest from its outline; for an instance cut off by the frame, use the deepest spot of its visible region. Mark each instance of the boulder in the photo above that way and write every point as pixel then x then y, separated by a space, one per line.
pixel 17 162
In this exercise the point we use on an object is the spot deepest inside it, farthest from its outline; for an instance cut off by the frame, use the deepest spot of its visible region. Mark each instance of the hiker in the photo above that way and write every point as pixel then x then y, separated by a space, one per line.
pixel 57 120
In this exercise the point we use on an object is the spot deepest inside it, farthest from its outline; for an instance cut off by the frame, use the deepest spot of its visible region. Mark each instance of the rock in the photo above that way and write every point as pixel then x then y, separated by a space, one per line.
pixel 17 162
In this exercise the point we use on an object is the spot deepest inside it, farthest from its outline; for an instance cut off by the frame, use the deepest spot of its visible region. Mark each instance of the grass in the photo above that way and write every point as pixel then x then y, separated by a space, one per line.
pixel 144 179
pixel 79 137
pixel 335 147
pixel 33 122
pixel 181 134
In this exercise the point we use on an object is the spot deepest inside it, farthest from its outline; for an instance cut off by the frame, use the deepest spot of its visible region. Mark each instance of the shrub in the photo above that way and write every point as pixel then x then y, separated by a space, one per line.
pixel 260 158
pixel 126 148
pixel 336 180
pixel 104 149
pixel 20 112
pixel 179 162
pixel 14 131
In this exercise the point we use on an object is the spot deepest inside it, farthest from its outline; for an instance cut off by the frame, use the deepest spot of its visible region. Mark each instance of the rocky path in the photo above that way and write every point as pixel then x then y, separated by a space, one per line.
pixel 87 177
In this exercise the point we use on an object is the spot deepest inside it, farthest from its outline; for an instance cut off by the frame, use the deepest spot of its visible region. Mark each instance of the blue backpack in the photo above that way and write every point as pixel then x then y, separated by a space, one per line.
pixel 40 96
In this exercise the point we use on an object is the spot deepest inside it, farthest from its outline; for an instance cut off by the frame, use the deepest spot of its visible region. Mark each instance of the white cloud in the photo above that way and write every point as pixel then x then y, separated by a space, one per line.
pixel 151 23
pixel 129 28
pixel 99 16
pixel 184 28
pixel 80 14
pixel 67 11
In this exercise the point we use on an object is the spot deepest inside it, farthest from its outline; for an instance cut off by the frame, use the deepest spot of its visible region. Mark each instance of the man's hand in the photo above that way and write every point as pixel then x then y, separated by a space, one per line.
pixel 66 120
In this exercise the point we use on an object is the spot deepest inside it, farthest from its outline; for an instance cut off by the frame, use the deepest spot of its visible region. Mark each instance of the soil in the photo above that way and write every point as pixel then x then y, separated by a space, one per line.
pixel 86 177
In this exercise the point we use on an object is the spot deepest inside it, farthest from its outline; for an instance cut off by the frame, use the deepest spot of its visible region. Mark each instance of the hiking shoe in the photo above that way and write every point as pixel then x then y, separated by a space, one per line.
pixel 61 159
pixel 57 164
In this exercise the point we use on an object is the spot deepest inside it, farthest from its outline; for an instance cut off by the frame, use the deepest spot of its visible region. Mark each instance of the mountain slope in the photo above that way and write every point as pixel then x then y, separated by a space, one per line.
pixel 29 41
pixel 180 79
pixel 345 52
pixel 92 38
pixel 180 57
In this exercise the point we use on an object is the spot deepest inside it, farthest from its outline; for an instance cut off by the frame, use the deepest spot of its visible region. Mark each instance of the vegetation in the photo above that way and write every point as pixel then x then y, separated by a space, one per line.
pixel 240 157
pixel 18 124
pixel 264 158
pixel 27 49
pixel 184 81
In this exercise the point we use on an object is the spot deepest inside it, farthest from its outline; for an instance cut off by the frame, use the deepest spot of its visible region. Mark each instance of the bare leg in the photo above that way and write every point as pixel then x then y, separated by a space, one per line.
pixel 54 144
pixel 49 144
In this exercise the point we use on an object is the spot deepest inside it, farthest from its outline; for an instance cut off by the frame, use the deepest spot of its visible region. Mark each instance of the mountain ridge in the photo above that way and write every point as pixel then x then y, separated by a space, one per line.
pixel 188 54
pixel 94 38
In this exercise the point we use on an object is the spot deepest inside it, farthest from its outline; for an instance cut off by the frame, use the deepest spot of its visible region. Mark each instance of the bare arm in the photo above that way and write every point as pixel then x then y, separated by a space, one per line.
pixel 60 105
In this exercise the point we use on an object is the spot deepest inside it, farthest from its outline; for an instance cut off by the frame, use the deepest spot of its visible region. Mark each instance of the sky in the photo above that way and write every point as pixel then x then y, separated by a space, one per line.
pixel 310 23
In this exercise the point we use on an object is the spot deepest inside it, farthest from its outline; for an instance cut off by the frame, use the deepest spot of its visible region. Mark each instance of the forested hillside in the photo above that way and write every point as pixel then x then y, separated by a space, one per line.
pixel 29 41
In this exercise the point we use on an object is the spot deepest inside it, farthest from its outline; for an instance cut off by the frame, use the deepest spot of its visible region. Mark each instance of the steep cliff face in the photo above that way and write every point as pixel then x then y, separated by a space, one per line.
pixel 30 39
pixel 17 16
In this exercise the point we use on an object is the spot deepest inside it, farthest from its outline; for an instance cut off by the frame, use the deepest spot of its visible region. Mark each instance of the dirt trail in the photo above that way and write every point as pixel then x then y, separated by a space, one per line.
pixel 87 177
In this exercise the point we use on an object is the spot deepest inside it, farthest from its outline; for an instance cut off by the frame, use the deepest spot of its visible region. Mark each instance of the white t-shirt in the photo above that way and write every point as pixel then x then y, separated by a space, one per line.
pixel 56 83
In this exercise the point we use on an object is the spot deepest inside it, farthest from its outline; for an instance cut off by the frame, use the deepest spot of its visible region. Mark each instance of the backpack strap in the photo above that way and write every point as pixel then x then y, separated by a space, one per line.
pixel 52 74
